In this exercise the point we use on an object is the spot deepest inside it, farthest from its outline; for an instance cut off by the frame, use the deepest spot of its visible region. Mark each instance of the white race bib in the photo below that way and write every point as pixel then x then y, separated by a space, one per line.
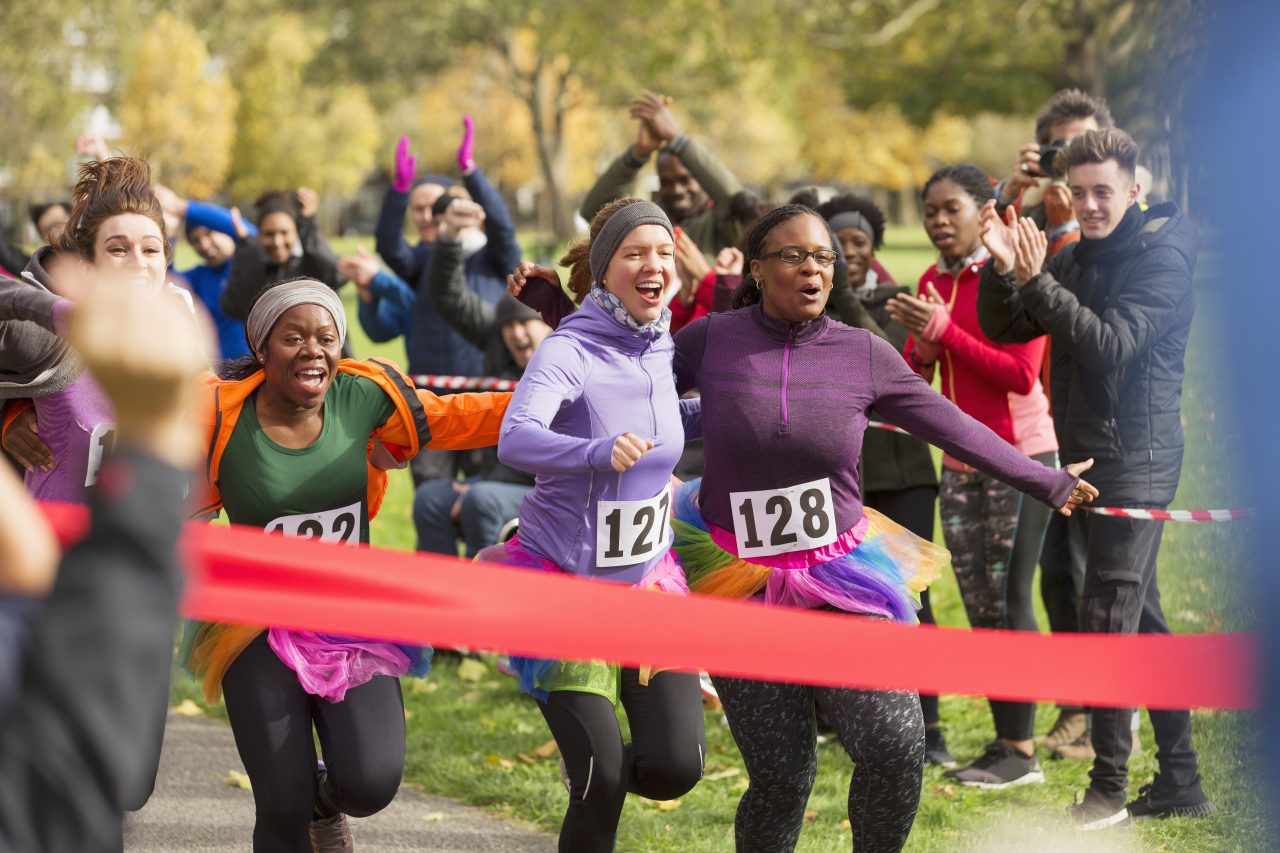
pixel 102 439
pixel 778 521
pixel 629 532
pixel 340 526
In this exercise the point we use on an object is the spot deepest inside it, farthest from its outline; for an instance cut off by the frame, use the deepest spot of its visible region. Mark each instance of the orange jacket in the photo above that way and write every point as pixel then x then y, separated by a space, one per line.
pixel 421 420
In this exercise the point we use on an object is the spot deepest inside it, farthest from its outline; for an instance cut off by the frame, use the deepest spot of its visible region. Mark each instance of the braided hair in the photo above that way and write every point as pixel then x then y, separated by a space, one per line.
pixel 968 177
pixel 748 292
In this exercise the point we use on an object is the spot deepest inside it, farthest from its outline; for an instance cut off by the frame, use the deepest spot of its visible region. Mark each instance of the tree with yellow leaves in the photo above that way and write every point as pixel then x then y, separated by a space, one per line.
pixel 290 134
pixel 178 112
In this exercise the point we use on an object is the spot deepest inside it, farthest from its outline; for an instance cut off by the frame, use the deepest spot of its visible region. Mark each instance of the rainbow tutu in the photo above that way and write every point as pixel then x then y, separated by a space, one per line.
pixel 540 676
pixel 881 576
pixel 327 666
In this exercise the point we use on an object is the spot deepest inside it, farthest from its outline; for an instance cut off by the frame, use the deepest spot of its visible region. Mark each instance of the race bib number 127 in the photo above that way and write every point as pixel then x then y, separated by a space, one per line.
pixel 778 521
pixel 340 526
pixel 629 532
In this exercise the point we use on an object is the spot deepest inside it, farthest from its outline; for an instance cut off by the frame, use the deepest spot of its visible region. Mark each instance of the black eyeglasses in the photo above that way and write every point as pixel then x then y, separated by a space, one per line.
pixel 795 256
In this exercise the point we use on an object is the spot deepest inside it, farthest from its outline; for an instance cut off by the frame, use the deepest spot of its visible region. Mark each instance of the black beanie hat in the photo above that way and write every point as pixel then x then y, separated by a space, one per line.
pixel 512 310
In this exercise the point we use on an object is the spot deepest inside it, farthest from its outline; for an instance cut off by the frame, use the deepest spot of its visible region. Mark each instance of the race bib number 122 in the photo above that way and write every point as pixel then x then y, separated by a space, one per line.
pixel 778 521
pixel 340 526
pixel 629 532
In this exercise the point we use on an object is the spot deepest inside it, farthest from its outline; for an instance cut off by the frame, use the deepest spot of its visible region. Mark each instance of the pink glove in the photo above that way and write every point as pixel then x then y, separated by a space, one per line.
pixel 406 166
pixel 466 162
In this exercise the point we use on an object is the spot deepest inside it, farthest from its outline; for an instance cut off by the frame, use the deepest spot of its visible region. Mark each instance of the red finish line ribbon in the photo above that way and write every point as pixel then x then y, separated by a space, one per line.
pixel 243 575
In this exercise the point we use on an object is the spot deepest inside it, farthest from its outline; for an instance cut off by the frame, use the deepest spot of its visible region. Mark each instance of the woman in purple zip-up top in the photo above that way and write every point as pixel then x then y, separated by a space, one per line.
pixel 778 515
pixel 597 419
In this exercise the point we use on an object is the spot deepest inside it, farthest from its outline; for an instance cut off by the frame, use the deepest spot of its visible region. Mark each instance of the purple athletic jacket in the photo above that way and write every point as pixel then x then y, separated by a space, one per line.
pixel 785 405
pixel 589 382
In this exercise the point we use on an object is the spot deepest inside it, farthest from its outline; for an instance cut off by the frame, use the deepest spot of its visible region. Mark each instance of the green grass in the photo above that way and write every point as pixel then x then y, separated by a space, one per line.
pixel 475 740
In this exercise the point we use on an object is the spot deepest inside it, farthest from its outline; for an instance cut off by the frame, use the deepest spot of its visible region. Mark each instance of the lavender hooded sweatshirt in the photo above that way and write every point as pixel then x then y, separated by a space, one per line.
pixel 590 381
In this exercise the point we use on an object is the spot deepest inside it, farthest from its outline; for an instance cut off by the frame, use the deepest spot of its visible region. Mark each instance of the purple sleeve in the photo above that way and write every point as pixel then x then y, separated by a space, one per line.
pixel 547 299
pixel 905 399
pixel 722 295
pixel 691 343
pixel 527 442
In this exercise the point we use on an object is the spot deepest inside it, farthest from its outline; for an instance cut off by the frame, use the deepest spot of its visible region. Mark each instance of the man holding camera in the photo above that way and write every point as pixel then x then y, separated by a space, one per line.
pixel 1118 305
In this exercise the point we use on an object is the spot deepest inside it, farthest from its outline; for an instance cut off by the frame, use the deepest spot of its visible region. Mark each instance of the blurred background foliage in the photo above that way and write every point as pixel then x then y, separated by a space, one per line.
pixel 232 98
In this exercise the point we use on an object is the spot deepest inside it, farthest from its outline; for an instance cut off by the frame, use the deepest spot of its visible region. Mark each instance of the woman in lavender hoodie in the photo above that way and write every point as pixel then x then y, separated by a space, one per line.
pixel 597 420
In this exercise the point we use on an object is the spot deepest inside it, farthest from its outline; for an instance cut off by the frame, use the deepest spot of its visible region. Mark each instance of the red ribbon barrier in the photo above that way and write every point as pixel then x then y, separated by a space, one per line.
pixel 242 575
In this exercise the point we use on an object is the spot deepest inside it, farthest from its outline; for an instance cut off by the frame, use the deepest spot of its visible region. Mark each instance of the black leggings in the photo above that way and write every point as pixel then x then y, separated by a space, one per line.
pixel 773 725
pixel 663 761
pixel 271 716
pixel 913 509
pixel 995 534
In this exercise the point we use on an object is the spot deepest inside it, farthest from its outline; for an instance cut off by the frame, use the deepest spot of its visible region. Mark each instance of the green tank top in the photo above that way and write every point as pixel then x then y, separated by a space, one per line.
pixel 314 492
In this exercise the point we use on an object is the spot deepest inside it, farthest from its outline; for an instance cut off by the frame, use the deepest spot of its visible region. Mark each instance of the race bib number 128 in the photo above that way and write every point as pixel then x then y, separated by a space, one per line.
pixel 340 526
pixel 778 521
pixel 629 532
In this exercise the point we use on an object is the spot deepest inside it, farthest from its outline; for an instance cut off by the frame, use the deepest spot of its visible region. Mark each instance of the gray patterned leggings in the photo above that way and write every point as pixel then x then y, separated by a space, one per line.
pixel 773 724
pixel 995 533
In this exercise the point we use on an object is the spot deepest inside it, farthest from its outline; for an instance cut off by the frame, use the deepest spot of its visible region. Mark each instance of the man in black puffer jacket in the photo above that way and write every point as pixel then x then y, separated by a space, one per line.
pixel 1118 305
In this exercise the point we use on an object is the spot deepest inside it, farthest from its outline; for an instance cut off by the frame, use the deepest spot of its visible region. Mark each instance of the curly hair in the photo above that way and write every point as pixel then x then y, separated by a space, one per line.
pixel 107 188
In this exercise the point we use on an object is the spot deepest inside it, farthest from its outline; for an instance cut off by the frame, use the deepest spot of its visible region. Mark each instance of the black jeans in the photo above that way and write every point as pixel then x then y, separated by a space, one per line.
pixel 1122 596
pixel 271 716
pixel 913 509
pixel 663 761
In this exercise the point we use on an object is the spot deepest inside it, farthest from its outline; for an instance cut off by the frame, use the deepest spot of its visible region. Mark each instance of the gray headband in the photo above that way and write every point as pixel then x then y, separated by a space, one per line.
pixel 852 219
pixel 622 223
pixel 276 300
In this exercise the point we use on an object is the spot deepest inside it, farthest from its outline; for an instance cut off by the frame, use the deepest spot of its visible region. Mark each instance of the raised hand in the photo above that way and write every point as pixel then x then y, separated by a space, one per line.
pixel 627 451
pixel 406 167
pixel 92 146
pixel 466 150
pixel 1029 252
pixel 654 111
pixel 237 224
pixel 308 201
pixel 999 236
pixel 527 271
pixel 360 268
pixel 461 213
pixel 1025 171
pixel 1084 492
pixel 171 203
pixel 729 261
pixel 912 312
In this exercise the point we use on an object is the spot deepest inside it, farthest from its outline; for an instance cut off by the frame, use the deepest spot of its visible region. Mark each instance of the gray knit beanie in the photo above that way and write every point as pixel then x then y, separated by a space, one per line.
pixel 622 223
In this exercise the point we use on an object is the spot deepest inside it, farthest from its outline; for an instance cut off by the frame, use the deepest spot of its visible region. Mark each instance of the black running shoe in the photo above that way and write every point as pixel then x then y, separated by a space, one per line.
pixel 1097 812
pixel 1001 766
pixel 935 748
pixel 1160 801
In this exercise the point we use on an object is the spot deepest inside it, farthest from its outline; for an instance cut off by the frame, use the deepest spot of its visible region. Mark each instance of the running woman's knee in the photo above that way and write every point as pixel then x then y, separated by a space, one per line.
pixel 368 791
